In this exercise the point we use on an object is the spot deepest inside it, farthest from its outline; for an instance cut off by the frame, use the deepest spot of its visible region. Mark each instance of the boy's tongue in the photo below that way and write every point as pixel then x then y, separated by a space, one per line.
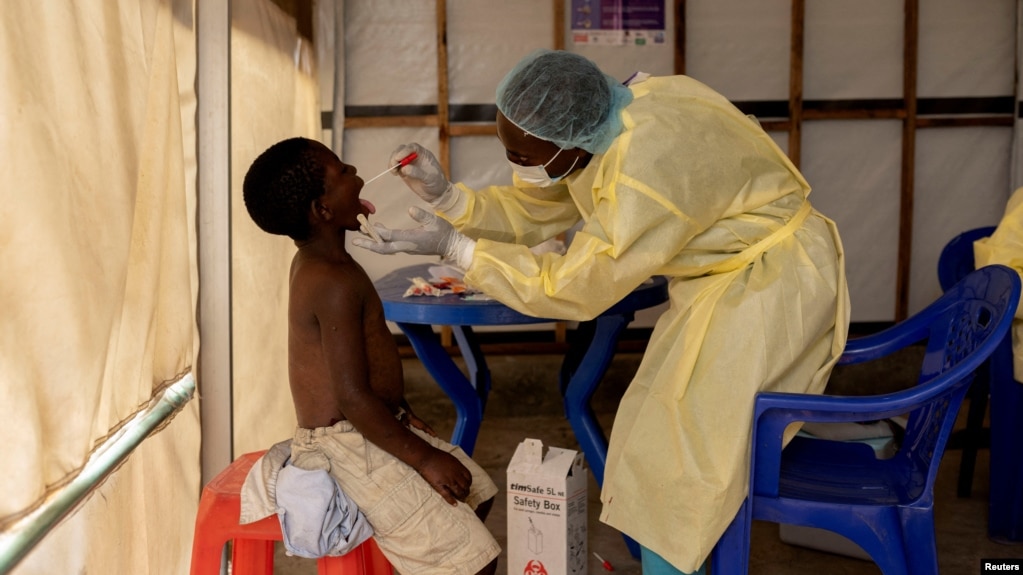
pixel 368 205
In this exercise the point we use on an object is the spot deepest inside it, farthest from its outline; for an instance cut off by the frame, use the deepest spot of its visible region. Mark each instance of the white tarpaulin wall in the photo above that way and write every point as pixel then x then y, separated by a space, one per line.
pixel 100 258
pixel 853 51
pixel 274 95
pixel 99 273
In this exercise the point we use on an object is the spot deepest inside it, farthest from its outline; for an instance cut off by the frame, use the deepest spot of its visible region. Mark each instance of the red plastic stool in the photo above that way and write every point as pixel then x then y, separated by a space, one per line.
pixel 253 551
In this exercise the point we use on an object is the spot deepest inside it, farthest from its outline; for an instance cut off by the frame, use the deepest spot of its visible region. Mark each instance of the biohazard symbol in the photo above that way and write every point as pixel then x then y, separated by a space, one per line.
pixel 534 567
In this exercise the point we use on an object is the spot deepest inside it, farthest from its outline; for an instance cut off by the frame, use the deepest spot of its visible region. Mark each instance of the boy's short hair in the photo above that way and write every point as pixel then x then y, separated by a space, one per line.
pixel 281 184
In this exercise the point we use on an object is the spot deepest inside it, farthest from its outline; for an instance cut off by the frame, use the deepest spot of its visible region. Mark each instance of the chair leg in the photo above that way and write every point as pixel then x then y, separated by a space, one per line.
pixel 973 435
pixel 915 552
pixel 887 551
pixel 918 536
pixel 730 555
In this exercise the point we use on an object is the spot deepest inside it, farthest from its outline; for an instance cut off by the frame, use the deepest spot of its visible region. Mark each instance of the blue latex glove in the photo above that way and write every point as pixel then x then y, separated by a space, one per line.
pixel 435 236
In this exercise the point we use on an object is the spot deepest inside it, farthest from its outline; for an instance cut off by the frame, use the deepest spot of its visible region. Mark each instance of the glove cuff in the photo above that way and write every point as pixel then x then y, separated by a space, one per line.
pixel 450 200
pixel 460 252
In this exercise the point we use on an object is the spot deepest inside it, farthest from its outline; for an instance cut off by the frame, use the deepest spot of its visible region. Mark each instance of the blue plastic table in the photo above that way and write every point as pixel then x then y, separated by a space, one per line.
pixel 582 369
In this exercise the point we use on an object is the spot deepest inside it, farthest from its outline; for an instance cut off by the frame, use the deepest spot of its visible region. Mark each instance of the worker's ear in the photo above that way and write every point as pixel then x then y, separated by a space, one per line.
pixel 582 158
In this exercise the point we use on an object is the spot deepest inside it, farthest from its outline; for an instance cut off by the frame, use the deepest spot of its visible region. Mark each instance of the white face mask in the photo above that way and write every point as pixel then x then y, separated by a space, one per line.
pixel 537 175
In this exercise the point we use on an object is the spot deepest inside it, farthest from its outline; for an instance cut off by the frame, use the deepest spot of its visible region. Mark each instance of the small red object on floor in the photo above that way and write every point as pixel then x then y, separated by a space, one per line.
pixel 606 564
pixel 216 523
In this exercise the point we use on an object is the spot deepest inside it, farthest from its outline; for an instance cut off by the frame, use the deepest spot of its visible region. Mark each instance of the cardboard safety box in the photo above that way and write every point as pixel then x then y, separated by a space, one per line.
pixel 546 511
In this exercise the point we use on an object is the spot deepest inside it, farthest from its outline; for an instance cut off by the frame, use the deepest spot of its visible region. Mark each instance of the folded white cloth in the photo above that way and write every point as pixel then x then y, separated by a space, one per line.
pixel 317 518
pixel 884 436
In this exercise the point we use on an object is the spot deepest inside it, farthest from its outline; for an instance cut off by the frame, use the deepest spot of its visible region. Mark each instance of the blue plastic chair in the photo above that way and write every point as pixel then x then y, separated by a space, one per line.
pixel 956 259
pixel 954 263
pixel 883 505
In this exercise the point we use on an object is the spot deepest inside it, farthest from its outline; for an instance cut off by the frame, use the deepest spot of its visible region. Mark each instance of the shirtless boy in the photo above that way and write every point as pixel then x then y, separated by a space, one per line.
pixel 425 498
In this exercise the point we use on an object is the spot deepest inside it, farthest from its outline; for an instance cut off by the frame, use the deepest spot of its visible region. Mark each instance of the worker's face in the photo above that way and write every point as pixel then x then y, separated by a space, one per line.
pixel 526 150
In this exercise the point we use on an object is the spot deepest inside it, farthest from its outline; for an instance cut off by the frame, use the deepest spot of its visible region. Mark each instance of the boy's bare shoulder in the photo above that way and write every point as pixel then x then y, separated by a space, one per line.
pixel 321 277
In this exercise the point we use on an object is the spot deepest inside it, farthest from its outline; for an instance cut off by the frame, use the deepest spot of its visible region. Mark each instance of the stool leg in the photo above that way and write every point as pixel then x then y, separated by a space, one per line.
pixel 252 557
pixel 207 555
pixel 376 562
pixel 350 563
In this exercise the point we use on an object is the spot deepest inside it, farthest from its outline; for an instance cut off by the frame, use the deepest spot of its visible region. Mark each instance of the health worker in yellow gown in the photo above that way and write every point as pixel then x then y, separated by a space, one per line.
pixel 665 177
pixel 1005 246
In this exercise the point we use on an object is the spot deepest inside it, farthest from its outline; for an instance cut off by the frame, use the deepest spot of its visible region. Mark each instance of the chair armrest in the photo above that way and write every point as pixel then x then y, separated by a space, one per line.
pixel 781 409
pixel 885 342
pixel 774 412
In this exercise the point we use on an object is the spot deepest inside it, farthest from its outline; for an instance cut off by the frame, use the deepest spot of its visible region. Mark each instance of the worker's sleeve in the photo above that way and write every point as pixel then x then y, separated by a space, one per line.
pixel 526 216
pixel 1005 245
pixel 629 238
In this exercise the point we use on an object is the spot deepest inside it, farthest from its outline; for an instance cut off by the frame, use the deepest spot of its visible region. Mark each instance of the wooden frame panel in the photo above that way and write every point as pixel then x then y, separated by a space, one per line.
pixel 905 109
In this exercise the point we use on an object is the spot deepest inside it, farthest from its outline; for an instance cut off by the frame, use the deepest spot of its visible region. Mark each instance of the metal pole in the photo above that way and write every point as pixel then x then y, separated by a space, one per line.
pixel 213 92
pixel 24 536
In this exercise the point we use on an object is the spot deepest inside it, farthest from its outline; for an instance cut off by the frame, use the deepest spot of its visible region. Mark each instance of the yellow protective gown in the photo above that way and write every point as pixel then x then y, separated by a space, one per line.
pixel 697 191
pixel 1005 246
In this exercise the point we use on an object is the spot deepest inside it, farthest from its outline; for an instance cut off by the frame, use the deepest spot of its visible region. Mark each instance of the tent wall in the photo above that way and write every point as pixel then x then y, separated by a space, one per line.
pixel 900 114
pixel 100 282
pixel 274 95
pixel 139 520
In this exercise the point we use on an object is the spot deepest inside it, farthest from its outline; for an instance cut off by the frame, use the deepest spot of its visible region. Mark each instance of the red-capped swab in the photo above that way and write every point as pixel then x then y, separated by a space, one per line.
pixel 404 162
pixel 606 564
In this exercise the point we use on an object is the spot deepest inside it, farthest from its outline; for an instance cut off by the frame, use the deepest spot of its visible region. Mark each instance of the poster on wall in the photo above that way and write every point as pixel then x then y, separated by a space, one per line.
pixel 618 22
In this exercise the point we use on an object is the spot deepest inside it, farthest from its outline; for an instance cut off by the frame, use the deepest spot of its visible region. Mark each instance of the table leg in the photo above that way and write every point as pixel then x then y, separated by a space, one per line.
pixel 475 363
pixel 578 342
pixel 466 398
pixel 583 378
pixel 583 381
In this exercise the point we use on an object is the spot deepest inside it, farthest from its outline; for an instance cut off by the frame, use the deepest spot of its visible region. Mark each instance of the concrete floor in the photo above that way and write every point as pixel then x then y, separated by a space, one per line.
pixel 525 403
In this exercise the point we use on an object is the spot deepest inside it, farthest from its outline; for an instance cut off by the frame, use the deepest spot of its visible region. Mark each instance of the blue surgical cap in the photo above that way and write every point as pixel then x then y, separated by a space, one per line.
pixel 564 98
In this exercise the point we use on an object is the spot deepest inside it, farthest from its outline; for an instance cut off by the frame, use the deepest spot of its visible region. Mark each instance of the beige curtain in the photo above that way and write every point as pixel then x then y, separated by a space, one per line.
pixel 99 284
pixel 274 95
